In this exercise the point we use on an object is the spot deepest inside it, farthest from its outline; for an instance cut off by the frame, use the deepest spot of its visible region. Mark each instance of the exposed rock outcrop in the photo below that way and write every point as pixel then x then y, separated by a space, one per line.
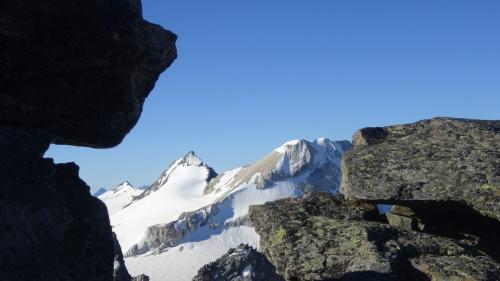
pixel 325 238
pixel 161 237
pixel 79 69
pixel 446 170
pixel 241 264
pixel 442 159
pixel 71 72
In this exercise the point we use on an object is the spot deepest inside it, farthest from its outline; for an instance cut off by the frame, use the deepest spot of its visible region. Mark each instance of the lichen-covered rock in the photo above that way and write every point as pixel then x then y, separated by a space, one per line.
pixel 324 238
pixel 240 264
pixel 437 160
pixel 404 217
pixel 51 227
pixel 79 69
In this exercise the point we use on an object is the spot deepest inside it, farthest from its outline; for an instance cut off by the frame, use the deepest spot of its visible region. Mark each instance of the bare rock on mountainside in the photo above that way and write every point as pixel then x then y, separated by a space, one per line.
pixel 437 160
pixel 243 263
pixel 71 72
pixel 326 238
pixel 79 69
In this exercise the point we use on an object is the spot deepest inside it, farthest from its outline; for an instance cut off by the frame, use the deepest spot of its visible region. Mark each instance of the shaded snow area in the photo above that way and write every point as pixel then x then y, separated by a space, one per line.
pixel 191 215
pixel 184 261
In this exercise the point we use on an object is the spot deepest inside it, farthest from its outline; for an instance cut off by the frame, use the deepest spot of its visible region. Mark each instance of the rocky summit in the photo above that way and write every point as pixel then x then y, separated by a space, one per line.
pixel 71 72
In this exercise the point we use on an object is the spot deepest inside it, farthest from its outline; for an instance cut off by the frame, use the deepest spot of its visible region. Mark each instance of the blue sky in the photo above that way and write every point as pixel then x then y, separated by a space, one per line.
pixel 251 75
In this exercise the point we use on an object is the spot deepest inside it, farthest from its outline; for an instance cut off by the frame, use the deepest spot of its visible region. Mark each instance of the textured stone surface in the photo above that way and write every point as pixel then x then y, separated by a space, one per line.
pixel 79 69
pixel 51 227
pixel 240 264
pixel 438 160
pixel 323 238
pixel 404 217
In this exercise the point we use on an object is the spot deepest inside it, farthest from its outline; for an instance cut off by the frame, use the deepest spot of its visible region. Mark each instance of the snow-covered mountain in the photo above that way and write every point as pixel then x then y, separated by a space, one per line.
pixel 119 197
pixel 191 215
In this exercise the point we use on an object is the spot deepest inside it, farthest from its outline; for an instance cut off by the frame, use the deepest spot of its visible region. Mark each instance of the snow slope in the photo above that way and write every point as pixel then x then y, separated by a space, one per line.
pixel 190 216
pixel 179 189
pixel 119 197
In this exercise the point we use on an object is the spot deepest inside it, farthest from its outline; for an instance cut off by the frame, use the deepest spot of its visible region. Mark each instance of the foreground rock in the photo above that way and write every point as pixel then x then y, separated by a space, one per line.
pixel 437 160
pixel 71 72
pixel 94 63
pixel 241 264
pixel 52 228
pixel 446 170
pixel 324 238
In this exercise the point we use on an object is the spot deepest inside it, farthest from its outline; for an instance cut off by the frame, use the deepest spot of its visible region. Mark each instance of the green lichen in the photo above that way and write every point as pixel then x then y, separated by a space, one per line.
pixel 490 188
pixel 279 236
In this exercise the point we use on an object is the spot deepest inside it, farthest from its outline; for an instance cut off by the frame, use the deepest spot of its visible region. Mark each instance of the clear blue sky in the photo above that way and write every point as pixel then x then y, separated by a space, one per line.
pixel 251 75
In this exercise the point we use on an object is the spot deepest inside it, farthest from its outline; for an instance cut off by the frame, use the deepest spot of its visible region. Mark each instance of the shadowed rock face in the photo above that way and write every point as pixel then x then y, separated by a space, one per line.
pixel 51 228
pixel 71 72
pixel 437 160
pixel 79 69
pixel 326 238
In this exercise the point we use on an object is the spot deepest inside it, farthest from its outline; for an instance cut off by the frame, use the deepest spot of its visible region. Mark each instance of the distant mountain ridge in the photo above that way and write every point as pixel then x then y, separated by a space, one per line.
pixel 192 209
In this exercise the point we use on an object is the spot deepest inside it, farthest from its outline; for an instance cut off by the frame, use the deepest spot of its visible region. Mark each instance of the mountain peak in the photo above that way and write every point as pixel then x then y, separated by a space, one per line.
pixel 99 192
pixel 124 185
pixel 290 145
pixel 190 159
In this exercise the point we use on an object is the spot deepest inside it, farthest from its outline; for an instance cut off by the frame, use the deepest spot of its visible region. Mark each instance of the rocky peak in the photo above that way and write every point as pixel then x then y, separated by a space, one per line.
pixel 190 159
pixel 124 185
pixel 297 155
